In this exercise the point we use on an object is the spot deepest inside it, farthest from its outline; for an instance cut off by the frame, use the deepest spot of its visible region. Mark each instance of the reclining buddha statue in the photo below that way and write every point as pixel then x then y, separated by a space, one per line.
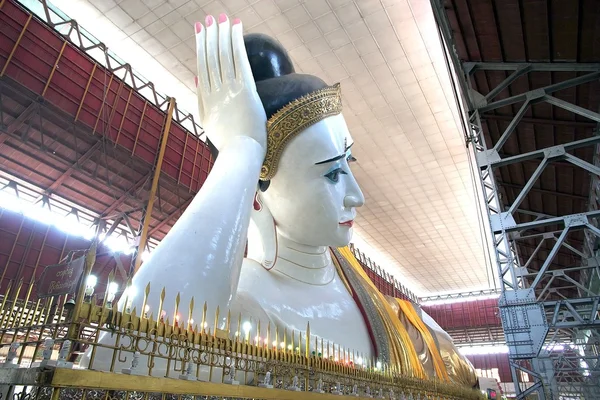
pixel 282 185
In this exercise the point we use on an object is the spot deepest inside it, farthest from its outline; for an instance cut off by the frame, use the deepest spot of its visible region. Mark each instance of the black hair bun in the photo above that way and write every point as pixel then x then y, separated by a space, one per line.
pixel 268 59
pixel 277 83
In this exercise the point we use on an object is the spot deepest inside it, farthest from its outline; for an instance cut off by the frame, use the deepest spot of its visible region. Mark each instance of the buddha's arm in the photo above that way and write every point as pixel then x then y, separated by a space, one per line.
pixel 202 254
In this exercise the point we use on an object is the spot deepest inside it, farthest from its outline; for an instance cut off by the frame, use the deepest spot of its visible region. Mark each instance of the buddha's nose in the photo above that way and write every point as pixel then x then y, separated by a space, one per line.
pixel 353 201
pixel 354 196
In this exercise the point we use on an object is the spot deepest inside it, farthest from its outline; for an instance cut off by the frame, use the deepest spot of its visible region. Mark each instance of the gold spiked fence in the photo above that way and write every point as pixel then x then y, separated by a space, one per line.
pixel 29 323
pixel 169 346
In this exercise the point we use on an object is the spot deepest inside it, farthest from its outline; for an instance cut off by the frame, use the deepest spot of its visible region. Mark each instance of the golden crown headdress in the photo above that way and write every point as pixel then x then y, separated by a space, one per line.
pixel 292 119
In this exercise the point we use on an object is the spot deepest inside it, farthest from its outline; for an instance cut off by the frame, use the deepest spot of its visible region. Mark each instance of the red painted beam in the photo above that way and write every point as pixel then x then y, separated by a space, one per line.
pixel 475 313
pixel 170 217
pixel 27 246
pixel 18 122
pixel 95 96
pixel 86 156
pixel 124 196
pixel 492 363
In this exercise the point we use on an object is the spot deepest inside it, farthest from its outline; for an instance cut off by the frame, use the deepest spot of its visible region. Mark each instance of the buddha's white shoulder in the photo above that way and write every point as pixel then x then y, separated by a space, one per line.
pixel 251 269
pixel 253 289
pixel 250 263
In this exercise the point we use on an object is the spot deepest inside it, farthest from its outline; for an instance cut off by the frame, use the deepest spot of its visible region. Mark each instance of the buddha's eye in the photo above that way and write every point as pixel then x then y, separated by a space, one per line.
pixel 334 175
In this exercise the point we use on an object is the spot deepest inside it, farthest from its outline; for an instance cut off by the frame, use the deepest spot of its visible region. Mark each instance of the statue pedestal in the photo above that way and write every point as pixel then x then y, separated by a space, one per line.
pixel 53 364
pixel 318 391
pixel 188 377
pixel 129 371
pixel 262 385
pixel 9 364
pixel 64 364
pixel 231 382
pixel 295 389
pixel 337 392
pixel 43 364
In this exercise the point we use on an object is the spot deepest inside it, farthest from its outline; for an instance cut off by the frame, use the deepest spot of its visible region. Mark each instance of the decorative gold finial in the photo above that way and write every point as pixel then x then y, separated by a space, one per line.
pixel 190 314
pixel 292 119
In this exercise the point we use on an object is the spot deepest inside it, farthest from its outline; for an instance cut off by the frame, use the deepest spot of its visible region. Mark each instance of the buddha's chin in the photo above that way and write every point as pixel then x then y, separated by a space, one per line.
pixel 343 237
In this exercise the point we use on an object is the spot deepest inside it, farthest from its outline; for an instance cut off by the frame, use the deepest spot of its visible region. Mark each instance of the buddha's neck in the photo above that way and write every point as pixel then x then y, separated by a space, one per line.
pixel 307 264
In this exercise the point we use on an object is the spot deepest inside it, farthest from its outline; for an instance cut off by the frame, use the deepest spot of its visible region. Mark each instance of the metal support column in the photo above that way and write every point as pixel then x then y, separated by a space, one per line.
pixel 539 333
pixel 157 168
pixel 551 336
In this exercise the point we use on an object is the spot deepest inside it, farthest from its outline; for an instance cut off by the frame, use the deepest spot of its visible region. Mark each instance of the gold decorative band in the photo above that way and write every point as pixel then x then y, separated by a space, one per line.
pixel 293 119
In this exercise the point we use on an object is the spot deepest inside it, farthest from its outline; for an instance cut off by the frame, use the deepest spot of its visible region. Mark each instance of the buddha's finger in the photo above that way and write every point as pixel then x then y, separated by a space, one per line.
pixel 225 49
pixel 200 103
pixel 243 71
pixel 212 53
pixel 203 85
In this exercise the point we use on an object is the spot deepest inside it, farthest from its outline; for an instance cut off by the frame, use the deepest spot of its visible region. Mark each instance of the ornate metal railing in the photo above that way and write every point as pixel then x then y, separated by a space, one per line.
pixel 385 282
pixel 42 342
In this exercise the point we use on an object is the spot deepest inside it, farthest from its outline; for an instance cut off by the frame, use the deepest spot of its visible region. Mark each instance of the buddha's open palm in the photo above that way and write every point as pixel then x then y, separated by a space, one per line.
pixel 228 103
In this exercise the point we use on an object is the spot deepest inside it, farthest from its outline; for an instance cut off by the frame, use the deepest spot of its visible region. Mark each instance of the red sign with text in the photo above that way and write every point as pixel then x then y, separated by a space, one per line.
pixel 61 278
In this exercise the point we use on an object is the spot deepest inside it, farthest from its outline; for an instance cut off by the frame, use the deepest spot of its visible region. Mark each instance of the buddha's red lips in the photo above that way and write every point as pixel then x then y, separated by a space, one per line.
pixel 347 223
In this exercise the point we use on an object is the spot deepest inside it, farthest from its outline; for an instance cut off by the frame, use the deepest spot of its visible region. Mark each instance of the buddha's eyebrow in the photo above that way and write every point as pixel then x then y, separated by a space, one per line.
pixel 336 157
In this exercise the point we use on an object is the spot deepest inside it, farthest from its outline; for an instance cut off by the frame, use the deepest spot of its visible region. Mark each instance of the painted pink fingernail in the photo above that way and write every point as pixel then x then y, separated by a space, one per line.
pixel 196 81
pixel 198 27
pixel 237 21
pixel 209 20
pixel 222 18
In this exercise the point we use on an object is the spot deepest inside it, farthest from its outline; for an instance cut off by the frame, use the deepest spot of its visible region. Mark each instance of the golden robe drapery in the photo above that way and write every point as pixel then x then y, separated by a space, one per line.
pixel 391 340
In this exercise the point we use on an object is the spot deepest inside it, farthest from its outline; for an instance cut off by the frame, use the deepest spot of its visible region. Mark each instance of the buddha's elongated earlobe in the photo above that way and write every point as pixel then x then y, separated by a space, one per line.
pixel 262 235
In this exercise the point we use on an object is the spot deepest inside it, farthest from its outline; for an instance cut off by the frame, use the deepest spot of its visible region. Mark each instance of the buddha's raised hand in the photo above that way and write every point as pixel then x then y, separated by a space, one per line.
pixel 228 103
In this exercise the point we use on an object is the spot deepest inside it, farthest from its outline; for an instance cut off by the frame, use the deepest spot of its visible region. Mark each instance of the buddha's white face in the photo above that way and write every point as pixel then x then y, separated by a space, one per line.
pixel 313 196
